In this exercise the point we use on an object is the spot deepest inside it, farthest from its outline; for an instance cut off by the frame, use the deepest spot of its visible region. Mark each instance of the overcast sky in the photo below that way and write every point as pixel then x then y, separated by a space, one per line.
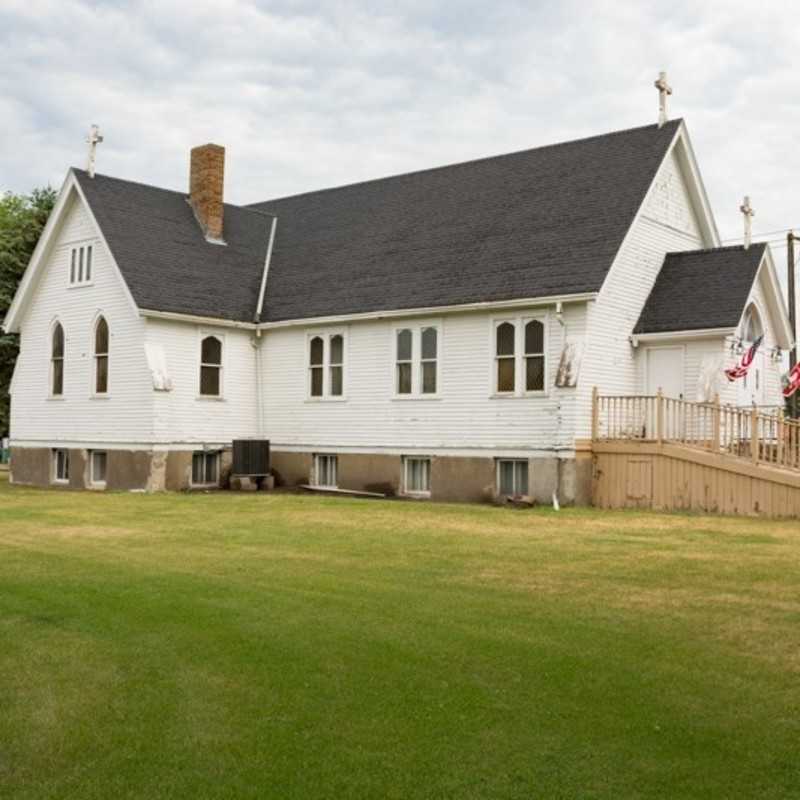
pixel 306 95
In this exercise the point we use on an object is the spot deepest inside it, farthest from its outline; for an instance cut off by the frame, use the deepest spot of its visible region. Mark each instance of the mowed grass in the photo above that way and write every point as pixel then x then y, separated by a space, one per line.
pixel 242 646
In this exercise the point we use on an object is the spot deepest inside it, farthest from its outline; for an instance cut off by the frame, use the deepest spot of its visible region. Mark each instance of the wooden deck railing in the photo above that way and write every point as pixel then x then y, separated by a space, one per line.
pixel 764 438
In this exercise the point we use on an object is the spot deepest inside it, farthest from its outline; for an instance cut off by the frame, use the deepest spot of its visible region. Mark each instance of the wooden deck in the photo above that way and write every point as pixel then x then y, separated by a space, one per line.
pixel 663 453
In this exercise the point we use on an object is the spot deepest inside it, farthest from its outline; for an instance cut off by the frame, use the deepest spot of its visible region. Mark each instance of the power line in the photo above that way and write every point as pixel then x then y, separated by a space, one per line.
pixel 766 233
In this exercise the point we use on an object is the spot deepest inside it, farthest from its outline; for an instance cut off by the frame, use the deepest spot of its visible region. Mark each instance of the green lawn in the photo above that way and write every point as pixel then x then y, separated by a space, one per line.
pixel 242 646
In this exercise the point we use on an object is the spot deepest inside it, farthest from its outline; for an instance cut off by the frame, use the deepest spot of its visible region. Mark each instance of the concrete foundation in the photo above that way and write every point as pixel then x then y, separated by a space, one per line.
pixel 453 478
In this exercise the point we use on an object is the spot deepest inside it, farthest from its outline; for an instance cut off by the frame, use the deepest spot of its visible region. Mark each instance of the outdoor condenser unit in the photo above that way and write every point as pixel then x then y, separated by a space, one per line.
pixel 251 458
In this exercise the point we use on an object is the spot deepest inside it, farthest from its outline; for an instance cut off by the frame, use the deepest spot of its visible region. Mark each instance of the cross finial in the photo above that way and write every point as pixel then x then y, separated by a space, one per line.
pixel 748 213
pixel 93 139
pixel 664 89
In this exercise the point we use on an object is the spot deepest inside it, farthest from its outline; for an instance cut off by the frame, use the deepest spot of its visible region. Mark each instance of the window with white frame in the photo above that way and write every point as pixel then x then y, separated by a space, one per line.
pixel 57 361
pixel 326 469
pixel 98 460
pixel 205 468
pixel 211 366
pixel 417 476
pixel 534 356
pixel 520 363
pixel 416 361
pixel 80 265
pixel 505 358
pixel 61 466
pixel 101 356
pixel 512 477
pixel 326 365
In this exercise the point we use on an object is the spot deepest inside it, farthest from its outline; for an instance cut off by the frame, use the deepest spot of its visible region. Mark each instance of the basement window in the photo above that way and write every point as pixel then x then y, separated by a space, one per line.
pixel 512 477
pixel 98 460
pixel 417 476
pixel 60 466
pixel 205 468
pixel 326 470
pixel 80 265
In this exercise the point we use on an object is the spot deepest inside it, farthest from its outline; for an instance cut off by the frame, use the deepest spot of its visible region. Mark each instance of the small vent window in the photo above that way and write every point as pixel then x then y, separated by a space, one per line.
pixel 80 265
pixel 97 467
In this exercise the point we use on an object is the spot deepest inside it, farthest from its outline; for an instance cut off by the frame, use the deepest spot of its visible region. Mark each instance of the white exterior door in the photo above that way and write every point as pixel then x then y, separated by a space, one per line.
pixel 665 371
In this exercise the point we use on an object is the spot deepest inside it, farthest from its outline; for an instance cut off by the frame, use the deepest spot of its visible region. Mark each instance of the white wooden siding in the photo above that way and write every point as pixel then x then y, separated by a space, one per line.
pixel 463 417
pixel 668 222
pixel 182 415
pixel 125 415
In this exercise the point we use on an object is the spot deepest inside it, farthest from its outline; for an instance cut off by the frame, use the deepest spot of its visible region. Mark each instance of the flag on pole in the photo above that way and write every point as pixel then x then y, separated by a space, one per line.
pixel 791 381
pixel 743 367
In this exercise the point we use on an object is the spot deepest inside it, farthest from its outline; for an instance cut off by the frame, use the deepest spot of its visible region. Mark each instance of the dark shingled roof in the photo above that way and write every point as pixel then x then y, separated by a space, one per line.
pixel 164 256
pixel 537 223
pixel 700 289
pixel 540 222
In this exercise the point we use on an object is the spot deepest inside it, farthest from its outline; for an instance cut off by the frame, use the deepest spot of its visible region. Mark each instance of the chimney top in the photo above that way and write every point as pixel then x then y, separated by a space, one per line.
pixel 206 185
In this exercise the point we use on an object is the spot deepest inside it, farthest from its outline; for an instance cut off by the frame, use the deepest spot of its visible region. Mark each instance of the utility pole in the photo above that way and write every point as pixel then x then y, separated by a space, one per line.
pixel 790 240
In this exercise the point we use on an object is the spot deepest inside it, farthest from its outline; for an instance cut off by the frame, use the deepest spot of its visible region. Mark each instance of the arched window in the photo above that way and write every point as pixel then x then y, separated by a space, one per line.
pixel 316 356
pixel 57 361
pixel 211 367
pixel 101 356
pixel 428 360
pixel 404 363
pixel 752 328
pixel 336 362
pixel 505 357
pixel 534 356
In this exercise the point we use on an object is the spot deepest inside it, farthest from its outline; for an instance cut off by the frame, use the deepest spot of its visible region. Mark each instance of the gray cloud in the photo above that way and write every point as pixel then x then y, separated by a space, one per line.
pixel 311 94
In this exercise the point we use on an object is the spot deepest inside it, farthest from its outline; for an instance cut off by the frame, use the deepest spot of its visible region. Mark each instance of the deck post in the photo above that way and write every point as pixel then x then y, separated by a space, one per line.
pixel 754 441
pixel 659 415
pixel 780 434
pixel 595 414
pixel 716 422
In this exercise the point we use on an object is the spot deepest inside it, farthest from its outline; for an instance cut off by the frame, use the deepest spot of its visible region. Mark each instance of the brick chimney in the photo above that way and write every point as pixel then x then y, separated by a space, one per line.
pixel 206 182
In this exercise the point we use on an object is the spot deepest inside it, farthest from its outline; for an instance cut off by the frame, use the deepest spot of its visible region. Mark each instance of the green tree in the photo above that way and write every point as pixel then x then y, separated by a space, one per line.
pixel 22 219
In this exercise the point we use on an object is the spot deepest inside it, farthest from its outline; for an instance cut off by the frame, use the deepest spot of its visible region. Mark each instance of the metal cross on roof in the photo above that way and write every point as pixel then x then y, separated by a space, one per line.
pixel 748 213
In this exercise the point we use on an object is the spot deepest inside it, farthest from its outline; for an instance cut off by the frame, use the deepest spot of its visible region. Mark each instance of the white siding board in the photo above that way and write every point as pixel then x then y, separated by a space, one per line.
pixel 464 416
pixel 126 413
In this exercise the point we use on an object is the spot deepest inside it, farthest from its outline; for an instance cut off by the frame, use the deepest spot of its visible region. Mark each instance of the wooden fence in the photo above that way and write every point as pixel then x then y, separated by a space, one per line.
pixel 748 433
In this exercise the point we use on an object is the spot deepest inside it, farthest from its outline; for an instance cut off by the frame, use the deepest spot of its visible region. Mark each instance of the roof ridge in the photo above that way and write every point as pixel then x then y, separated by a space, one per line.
pixel 674 123
pixel 701 250
pixel 84 173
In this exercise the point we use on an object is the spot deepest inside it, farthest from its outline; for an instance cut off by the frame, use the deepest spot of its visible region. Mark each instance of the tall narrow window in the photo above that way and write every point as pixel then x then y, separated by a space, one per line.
pixel 428 360
pixel 87 275
pixel 57 361
pixel 534 356
pixel 101 356
pixel 505 358
pixel 336 361
pixel 404 352
pixel 61 466
pixel 316 360
pixel 211 367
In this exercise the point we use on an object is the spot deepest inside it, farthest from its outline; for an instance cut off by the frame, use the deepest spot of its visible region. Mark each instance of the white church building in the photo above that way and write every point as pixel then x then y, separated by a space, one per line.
pixel 434 334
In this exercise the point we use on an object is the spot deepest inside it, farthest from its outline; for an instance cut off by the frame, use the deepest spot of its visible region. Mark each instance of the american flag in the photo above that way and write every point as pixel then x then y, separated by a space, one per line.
pixel 743 367
pixel 791 381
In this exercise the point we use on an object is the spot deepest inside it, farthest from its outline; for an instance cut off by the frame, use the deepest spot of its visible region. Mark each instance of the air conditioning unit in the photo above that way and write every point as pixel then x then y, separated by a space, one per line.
pixel 251 458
